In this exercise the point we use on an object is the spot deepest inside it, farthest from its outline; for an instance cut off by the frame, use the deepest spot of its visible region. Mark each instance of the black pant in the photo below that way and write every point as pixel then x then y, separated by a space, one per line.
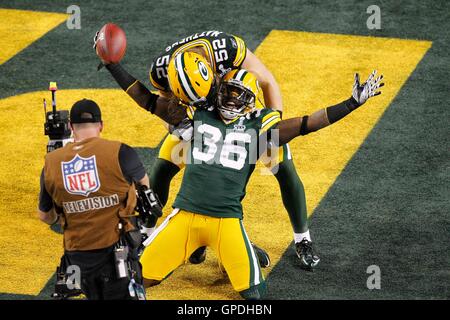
pixel 98 274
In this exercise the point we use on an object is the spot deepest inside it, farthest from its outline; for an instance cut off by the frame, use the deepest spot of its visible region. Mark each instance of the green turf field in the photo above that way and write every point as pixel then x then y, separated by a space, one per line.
pixel 377 185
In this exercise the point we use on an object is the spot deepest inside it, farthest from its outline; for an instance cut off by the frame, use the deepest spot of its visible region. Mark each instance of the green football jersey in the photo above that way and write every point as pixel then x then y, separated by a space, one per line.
pixel 221 159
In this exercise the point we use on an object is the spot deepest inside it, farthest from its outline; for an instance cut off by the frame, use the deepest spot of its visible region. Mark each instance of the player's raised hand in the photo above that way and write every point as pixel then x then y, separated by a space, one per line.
pixel 110 43
pixel 362 92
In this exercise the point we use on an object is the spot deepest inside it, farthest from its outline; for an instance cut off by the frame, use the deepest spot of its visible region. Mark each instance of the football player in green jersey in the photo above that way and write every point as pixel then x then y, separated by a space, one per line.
pixel 223 52
pixel 226 141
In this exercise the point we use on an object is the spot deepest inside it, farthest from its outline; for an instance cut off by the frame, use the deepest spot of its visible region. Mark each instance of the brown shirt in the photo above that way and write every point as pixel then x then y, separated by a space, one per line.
pixel 86 181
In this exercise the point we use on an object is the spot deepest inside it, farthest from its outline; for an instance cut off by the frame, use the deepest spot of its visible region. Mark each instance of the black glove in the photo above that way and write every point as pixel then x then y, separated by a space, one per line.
pixel 147 203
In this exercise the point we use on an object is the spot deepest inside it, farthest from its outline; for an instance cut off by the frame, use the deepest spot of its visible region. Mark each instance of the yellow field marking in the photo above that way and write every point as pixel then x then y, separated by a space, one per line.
pixel 29 250
pixel 19 28
pixel 314 70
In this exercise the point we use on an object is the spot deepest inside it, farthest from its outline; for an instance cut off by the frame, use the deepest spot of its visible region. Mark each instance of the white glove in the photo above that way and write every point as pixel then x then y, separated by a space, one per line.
pixel 362 92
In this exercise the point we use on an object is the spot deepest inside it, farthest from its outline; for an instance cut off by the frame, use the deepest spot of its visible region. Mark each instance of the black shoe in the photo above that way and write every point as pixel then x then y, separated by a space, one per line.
pixel 263 256
pixel 198 256
pixel 304 250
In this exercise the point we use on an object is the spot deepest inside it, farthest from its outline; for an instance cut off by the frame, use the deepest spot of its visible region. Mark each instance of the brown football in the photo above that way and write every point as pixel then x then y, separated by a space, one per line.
pixel 111 43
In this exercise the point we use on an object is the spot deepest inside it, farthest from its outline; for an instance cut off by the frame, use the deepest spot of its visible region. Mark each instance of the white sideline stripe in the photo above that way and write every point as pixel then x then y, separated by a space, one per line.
pixel 160 228
pixel 255 261
pixel 183 78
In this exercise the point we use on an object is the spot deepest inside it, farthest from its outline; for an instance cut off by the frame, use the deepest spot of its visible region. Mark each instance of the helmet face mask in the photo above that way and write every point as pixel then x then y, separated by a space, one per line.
pixel 234 99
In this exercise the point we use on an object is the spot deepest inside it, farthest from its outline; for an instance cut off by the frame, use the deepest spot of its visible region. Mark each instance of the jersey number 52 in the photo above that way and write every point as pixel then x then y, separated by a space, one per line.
pixel 220 51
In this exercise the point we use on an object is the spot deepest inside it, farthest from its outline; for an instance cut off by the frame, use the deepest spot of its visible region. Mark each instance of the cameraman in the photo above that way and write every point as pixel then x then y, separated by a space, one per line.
pixel 87 186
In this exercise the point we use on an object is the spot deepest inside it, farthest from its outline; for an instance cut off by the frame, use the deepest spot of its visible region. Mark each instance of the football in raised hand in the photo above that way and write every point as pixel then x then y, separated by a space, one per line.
pixel 111 43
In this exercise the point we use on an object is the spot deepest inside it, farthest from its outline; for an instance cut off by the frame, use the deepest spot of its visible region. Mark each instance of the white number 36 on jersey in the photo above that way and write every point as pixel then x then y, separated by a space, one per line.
pixel 233 144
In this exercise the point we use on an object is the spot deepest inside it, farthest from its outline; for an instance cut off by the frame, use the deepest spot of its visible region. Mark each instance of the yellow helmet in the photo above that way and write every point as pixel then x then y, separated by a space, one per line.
pixel 237 94
pixel 191 78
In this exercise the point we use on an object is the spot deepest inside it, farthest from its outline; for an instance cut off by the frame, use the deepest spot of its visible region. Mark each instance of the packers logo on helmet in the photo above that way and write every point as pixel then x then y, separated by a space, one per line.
pixel 191 78
pixel 203 70
pixel 237 95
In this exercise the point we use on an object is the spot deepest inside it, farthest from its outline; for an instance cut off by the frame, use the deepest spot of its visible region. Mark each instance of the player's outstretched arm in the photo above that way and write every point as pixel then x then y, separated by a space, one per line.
pixel 291 128
pixel 160 106
pixel 165 108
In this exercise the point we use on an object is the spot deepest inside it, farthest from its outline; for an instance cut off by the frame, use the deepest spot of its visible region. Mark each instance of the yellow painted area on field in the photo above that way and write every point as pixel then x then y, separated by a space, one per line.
pixel 19 28
pixel 314 71
pixel 29 250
